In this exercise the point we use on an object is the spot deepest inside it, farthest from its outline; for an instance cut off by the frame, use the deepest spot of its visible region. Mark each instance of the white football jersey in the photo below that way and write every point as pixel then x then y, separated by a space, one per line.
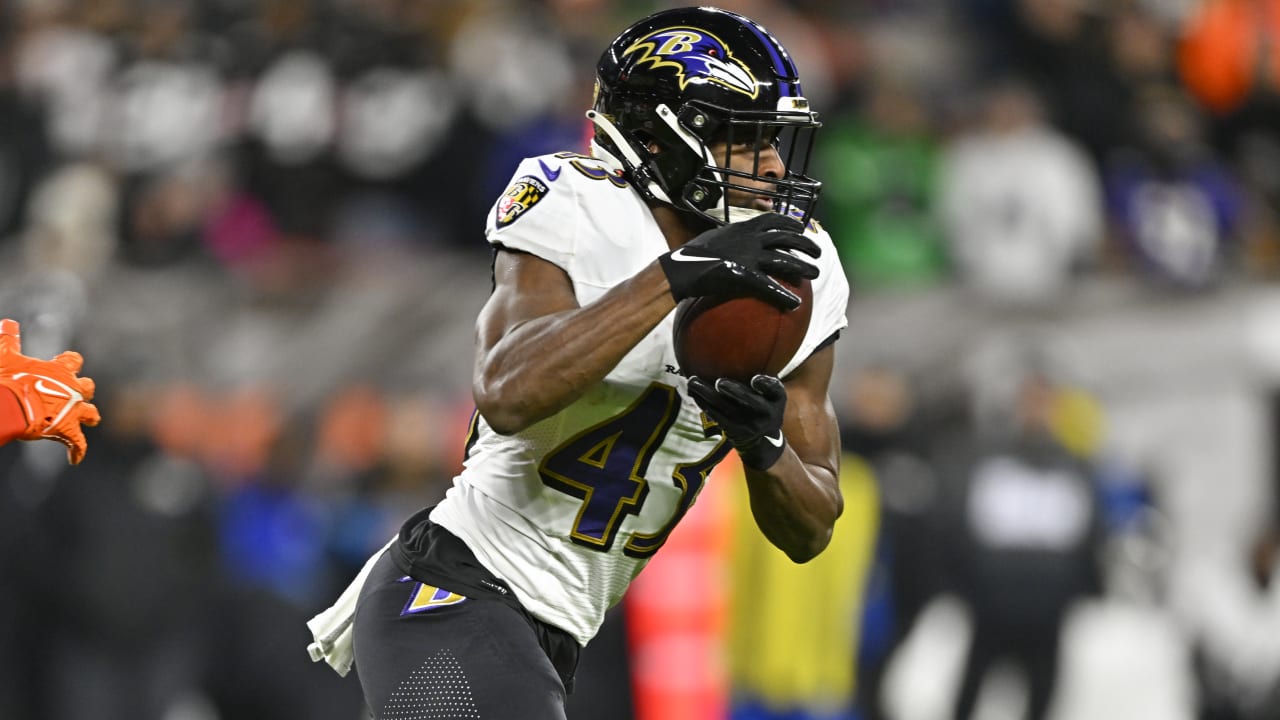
pixel 568 511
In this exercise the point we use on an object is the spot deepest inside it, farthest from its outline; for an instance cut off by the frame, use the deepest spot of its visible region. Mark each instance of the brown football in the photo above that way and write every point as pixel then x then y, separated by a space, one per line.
pixel 741 337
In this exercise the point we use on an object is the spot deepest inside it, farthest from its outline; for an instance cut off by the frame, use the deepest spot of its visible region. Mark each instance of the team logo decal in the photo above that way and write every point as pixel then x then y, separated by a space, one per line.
pixel 429 597
pixel 523 194
pixel 695 54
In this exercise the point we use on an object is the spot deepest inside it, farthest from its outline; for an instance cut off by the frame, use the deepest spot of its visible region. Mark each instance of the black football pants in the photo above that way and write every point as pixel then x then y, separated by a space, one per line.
pixel 428 654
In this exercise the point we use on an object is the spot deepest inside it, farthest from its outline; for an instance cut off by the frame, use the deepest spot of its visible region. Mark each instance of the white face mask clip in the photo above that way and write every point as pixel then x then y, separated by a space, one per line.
pixel 631 159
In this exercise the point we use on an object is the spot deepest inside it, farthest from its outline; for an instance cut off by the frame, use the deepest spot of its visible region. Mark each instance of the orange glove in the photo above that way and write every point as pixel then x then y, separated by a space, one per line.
pixel 54 400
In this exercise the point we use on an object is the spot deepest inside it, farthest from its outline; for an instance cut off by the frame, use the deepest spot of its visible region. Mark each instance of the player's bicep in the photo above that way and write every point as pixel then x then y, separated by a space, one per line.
pixel 810 420
pixel 526 287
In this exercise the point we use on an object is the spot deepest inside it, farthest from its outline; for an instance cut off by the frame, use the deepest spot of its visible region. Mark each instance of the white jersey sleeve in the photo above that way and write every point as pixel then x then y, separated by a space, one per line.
pixel 538 213
pixel 830 299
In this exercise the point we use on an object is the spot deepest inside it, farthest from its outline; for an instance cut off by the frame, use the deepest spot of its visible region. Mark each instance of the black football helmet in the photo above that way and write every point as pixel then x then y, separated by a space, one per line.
pixel 677 83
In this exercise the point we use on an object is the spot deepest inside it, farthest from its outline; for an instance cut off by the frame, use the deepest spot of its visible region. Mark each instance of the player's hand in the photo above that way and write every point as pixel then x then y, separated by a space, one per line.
pixel 750 415
pixel 54 399
pixel 737 260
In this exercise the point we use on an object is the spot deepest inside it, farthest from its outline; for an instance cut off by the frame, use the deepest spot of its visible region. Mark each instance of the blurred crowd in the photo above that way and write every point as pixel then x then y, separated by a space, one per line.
pixel 262 221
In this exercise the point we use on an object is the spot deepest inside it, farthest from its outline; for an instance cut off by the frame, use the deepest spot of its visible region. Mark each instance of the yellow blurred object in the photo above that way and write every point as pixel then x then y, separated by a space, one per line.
pixel 794 629
pixel 1077 421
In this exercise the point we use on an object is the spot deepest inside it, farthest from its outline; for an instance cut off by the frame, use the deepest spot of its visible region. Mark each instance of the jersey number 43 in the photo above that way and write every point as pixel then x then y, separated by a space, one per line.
pixel 605 466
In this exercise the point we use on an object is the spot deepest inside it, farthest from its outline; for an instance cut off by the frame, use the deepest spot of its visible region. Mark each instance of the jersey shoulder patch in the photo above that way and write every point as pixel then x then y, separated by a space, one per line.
pixel 560 206
pixel 537 177
pixel 519 198
pixel 539 212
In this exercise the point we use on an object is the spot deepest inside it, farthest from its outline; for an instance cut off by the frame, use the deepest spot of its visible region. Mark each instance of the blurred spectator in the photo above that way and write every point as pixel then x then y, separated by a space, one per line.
pixel 1225 59
pixel 126 636
pixel 72 222
pixel 166 100
pixel 66 68
pixel 1060 47
pixel 1176 209
pixel 1140 47
pixel 292 125
pixel 1020 202
pixel 884 218
pixel 884 424
pixel 1028 532
pixel 291 106
pixel 1224 56
pixel 392 118
pixel 165 214
pixel 492 57
pixel 24 144
pixel 519 84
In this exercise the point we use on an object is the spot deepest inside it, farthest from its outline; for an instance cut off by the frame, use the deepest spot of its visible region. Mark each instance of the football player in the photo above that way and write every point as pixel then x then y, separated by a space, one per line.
pixel 589 444
pixel 43 399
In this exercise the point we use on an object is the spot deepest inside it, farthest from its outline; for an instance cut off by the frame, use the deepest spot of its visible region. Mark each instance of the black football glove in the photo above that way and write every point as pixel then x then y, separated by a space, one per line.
pixel 736 260
pixel 749 415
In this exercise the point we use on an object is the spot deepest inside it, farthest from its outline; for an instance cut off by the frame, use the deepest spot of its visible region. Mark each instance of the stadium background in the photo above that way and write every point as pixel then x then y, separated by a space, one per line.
pixel 261 222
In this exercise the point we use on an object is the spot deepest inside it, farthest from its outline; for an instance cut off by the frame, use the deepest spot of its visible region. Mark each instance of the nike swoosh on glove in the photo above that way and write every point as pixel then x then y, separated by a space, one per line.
pixel 750 415
pixel 738 260
pixel 54 398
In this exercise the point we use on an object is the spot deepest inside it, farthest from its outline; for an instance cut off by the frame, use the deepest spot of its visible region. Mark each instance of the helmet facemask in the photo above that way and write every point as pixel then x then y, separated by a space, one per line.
pixel 724 193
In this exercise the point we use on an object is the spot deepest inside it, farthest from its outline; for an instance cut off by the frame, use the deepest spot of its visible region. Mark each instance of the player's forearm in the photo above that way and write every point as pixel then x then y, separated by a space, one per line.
pixel 795 505
pixel 542 365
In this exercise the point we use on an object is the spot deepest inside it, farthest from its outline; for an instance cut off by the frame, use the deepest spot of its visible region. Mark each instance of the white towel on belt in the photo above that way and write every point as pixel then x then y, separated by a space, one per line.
pixel 331 629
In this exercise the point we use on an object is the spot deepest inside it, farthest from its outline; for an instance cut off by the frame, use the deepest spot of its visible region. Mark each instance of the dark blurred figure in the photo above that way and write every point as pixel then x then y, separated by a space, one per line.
pixel 1061 48
pixel 24 146
pixel 18 615
pixel 885 425
pixel 1028 534
pixel 604 674
pixel 117 572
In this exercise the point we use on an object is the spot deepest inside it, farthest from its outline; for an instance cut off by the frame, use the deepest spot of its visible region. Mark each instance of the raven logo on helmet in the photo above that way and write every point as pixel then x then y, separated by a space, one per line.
pixel 695 55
